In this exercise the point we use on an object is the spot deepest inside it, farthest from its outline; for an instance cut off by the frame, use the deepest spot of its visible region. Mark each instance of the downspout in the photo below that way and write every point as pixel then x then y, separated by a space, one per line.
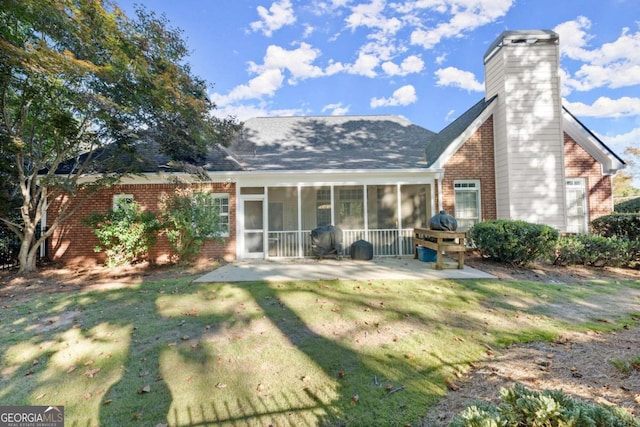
pixel 43 223
pixel 439 178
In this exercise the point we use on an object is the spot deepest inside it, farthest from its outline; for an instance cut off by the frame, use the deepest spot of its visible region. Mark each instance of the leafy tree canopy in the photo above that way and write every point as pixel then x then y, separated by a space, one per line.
pixel 78 77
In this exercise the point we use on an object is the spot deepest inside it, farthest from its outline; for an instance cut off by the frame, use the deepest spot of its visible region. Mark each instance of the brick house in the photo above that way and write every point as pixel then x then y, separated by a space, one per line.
pixel 516 154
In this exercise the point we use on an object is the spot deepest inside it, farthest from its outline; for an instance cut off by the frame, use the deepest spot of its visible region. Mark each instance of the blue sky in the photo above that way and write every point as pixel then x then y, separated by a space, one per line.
pixel 420 59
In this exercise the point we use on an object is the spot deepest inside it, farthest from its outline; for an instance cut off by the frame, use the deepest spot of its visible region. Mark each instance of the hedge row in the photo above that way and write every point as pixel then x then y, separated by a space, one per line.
pixel 615 241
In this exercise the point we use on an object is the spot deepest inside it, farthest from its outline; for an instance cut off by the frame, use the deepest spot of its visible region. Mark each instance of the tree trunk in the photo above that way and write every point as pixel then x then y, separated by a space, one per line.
pixel 27 255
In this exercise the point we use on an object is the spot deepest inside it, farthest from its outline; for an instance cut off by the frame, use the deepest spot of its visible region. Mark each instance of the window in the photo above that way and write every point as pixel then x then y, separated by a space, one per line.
pixel 350 207
pixel 323 207
pixel 576 205
pixel 219 202
pixel 121 198
pixel 467 203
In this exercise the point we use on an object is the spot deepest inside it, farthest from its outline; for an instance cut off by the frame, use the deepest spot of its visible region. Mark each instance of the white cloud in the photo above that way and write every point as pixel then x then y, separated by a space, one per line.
pixel 336 109
pixel 371 16
pixel 629 139
pixel 265 84
pixel 299 62
pixel 278 15
pixel 606 107
pixel 247 111
pixel 365 65
pixel 613 65
pixel 455 77
pixel 411 64
pixel 466 15
pixel 403 96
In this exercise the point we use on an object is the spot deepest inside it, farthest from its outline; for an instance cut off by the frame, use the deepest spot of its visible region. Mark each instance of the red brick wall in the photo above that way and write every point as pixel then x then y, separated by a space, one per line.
pixel 474 160
pixel 580 164
pixel 74 243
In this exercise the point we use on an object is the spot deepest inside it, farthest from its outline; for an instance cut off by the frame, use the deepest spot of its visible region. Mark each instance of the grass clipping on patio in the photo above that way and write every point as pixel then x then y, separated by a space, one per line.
pixel 300 353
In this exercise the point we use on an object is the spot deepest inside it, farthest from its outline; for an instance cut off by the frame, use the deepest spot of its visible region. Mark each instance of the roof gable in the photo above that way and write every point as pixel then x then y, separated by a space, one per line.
pixel 609 160
pixel 330 142
pixel 443 145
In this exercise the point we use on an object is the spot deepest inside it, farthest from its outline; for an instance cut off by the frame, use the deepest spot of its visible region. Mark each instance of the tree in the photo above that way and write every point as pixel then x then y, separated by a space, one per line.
pixel 82 87
pixel 623 186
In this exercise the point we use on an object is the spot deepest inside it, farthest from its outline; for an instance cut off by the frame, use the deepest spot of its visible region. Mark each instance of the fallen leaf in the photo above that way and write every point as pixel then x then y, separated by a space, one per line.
pixel 137 415
pixel 91 372
pixel 145 389
pixel 354 399
pixel 35 362
pixel 410 356
pixel 221 385
pixel 87 396
pixel 451 385
pixel 260 388
pixel 108 401
pixel 340 374
pixel 71 369
pixel 88 363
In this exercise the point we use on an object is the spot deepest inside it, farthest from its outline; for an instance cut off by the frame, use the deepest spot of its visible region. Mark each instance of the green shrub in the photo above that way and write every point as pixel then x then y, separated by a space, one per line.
pixel 523 407
pixel 630 206
pixel 188 219
pixel 595 251
pixel 619 225
pixel 514 242
pixel 126 233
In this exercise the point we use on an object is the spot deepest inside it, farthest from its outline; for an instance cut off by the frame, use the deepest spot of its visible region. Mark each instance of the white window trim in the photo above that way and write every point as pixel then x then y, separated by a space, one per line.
pixel 476 188
pixel 223 214
pixel 581 183
pixel 122 196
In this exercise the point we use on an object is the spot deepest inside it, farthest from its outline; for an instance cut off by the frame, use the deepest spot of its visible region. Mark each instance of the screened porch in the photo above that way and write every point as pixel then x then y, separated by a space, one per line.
pixel 384 215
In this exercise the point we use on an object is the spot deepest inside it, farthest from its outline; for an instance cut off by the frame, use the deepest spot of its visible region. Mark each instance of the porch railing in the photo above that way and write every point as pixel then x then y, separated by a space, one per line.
pixel 386 242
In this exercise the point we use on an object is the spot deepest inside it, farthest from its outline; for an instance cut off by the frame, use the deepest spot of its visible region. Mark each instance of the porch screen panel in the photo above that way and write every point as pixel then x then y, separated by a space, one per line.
pixel 348 206
pixel 282 221
pixel 382 218
pixel 316 207
pixel 415 209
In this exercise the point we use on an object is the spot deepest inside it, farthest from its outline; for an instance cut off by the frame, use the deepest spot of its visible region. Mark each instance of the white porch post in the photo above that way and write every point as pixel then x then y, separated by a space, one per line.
pixel 300 241
pixel 366 212
pixel 399 198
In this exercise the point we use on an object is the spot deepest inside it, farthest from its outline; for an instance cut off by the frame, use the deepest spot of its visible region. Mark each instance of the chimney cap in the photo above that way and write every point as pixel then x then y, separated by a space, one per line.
pixel 520 37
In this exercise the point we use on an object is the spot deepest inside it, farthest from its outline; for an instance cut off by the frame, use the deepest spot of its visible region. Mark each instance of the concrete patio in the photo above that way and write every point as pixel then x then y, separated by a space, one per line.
pixel 338 269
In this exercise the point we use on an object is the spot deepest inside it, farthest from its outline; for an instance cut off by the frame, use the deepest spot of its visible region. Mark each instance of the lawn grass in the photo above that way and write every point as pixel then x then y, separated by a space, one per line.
pixel 297 353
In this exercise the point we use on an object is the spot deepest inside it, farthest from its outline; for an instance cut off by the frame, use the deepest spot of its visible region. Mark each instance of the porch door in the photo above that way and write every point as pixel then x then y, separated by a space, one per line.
pixel 253 230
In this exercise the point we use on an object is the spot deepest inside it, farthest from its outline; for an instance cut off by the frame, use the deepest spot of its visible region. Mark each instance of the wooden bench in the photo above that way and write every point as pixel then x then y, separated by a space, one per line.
pixel 439 241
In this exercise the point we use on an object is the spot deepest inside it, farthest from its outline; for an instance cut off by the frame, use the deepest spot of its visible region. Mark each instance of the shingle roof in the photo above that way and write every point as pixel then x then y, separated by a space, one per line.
pixel 330 142
pixel 149 159
pixel 439 142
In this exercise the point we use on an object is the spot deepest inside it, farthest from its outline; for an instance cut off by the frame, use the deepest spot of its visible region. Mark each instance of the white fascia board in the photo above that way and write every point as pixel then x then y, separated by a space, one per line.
pixel 463 137
pixel 293 177
pixel 339 177
pixel 610 164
